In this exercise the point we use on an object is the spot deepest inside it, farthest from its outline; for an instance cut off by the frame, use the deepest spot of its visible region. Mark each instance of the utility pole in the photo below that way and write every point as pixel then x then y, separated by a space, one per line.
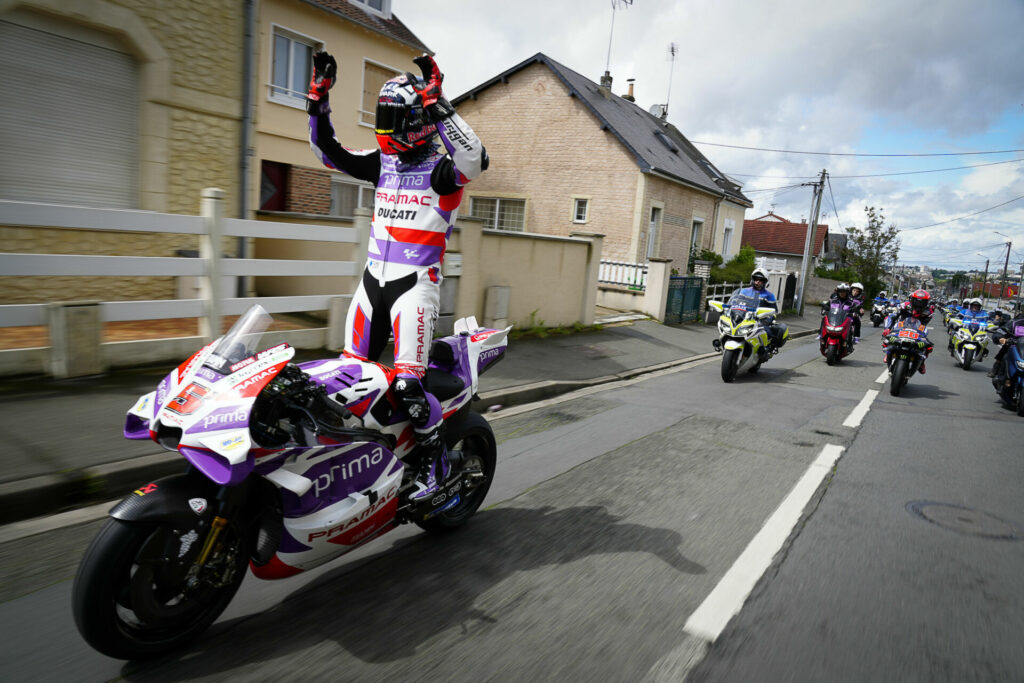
pixel 811 229
pixel 1006 265
pixel 1020 285
pixel 984 282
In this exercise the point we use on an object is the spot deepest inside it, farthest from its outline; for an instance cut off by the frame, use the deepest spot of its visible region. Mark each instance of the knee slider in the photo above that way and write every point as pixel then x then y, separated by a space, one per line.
pixel 409 392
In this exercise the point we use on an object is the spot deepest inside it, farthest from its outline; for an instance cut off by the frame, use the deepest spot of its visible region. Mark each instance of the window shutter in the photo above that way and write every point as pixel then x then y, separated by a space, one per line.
pixel 69 120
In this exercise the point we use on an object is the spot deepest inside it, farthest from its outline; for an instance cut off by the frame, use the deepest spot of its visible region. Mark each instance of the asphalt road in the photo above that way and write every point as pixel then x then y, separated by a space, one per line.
pixel 615 513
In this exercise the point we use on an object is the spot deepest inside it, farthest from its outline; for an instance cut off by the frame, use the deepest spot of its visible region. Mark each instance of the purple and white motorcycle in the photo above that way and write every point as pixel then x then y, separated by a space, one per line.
pixel 289 466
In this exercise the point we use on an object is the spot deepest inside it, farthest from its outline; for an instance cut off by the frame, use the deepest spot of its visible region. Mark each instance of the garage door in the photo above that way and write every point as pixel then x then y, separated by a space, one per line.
pixel 68 119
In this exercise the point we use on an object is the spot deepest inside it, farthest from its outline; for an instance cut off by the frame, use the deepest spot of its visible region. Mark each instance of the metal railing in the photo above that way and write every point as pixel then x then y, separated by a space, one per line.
pixel 211 268
pixel 632 275
pixel 721 291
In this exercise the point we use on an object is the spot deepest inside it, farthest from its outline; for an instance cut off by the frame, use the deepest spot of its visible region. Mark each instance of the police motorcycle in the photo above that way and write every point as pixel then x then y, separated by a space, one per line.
pixel 968 341
pixel 743 331
pixel 878 310
pixel 289 466
pixel 905 351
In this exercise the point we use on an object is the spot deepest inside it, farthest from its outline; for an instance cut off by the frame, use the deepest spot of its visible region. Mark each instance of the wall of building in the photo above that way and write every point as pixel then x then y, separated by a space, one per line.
pixel 190 64
pixel 736 213
pixel 680 206
pixel 547 148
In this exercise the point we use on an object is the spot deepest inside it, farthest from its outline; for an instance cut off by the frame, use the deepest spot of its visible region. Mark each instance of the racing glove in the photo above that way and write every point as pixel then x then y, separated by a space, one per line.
pixel 434 103
pixel 325 70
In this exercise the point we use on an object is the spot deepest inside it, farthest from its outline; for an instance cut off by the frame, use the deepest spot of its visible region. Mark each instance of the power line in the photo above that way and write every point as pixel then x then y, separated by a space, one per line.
pixel 857 154
pixel 876 175
pixel 958 218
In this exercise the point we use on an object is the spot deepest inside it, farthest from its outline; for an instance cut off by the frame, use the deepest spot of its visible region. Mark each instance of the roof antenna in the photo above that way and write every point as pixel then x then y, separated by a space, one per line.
pixel 606 80
pixel 673 50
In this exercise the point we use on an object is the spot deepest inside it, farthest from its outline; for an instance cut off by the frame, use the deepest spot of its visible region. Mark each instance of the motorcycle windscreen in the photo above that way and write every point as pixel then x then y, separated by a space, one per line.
pixel 836 315
pixel 240 342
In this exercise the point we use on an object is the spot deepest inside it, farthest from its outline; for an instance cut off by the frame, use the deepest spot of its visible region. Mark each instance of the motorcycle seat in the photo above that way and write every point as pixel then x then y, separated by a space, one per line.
pixel 443 385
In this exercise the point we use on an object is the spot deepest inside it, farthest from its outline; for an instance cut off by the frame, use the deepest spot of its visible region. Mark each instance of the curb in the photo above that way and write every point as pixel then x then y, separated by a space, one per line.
pixel 53 493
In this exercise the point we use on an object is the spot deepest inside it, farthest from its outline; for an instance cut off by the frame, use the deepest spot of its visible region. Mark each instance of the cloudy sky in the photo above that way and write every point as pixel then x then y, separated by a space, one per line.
pixel 846 76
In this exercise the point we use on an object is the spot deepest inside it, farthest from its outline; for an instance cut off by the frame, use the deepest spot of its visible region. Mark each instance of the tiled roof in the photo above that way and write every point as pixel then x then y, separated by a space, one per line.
pixel 657 146
pixel 392 28
pixel 776 235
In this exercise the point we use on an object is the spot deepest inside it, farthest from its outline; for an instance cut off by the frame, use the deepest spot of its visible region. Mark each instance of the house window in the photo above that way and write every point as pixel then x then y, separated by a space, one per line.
pixel 291 67
pixel 381 8
pixel 730 226
pixel 698 228
pixel 653 226
pixel 579 212
pixel 347 196
pixel 500 213
pixel 374 77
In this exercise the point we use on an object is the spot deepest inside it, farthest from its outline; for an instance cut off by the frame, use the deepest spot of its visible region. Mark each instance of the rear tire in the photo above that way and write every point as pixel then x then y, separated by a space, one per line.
pixel 130 602
pixel 475 439
pixel 968 359
pixel 832 354
pixel 1020 403
pixel 729 363
pixel 899 376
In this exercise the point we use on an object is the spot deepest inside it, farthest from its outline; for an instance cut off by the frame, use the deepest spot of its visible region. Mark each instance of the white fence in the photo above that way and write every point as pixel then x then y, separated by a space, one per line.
pixel 210 268
pixel 632 275
pixel 721 291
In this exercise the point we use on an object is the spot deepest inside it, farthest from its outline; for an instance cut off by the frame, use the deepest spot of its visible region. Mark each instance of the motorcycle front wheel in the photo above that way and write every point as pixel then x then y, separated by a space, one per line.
pixel 132 598
pixel 968 359
pixel 832 354
pixel 899 376
pixel 474 439
pixel 730 363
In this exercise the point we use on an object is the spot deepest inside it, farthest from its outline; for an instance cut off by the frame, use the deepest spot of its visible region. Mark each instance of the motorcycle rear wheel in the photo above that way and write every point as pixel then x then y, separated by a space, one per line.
pixel 899 376
pixel 474 438
pixel 968 359
pixel 120 577
pixel 1020 404
pixel 729 365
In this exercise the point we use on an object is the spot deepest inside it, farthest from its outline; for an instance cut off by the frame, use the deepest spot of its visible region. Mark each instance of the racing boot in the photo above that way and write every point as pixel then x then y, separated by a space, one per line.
pixel 434 465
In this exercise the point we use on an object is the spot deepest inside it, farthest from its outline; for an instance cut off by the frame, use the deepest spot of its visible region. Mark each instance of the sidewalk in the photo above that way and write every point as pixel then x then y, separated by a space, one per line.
pixel 63 442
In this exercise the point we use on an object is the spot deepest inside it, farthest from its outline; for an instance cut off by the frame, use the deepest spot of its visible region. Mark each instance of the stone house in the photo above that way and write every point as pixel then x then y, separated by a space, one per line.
pixel 126 104
pixel 775 237
pixel 568 156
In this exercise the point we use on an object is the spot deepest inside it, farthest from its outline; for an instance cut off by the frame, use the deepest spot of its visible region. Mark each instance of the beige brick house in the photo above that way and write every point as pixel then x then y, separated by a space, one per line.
pixel 125 104
pixel 568 155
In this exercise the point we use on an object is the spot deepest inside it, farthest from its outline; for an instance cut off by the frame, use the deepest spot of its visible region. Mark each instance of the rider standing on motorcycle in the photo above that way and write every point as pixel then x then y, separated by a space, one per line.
pixel 918 308
pixel 759 288
pixel 419 189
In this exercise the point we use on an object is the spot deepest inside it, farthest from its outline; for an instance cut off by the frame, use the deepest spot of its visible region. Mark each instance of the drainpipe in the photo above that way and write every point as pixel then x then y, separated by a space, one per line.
pixel 249 14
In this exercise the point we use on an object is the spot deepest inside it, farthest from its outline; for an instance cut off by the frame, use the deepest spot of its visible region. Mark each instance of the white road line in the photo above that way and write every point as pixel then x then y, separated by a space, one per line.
pixel 725 601
pixel 861 410
pixel 884 376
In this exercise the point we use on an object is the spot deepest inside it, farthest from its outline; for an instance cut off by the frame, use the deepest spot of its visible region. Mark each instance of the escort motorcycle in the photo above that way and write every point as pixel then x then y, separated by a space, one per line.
pixel 1010 385
pixel 878 313
pixel 743 340
pixel 968 341
pixel 836 333
pixel 289 467
pixel 905 350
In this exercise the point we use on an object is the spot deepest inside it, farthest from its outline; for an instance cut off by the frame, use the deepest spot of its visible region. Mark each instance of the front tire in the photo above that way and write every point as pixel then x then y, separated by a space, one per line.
pixel 730 361
pixel 129 599
pixel 832 354
pixel 899 376
pixel 474 438
pixel 968 359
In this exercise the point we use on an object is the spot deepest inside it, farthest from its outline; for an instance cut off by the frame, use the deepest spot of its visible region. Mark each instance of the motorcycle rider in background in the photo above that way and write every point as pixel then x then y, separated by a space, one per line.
pixel 419 187
pixel 759 288
pixel 1004 337
pixel 917 308
pixel 856 308
pixel 971 312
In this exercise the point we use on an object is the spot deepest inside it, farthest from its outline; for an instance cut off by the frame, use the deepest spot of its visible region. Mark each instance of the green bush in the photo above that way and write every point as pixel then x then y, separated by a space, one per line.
pixel 737 269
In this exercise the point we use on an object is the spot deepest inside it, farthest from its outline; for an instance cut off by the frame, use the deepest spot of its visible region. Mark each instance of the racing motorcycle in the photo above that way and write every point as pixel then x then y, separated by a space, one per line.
pixel 289 466
pixel 968 341
pixel 743 340
pixel 878 314
pixel 1011 386
pixel 904 349
pixel 836 331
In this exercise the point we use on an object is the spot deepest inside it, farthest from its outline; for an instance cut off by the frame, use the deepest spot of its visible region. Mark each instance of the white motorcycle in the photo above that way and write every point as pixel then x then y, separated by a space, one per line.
pixel 289 467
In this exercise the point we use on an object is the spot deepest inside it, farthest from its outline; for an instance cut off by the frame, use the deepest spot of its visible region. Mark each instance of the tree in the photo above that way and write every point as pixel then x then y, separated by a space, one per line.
pixel 958 280
pixel 870 249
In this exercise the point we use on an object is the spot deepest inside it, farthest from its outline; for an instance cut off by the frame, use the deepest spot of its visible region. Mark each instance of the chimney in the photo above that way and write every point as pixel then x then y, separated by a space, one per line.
pixel 606 81
pixel 629 95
